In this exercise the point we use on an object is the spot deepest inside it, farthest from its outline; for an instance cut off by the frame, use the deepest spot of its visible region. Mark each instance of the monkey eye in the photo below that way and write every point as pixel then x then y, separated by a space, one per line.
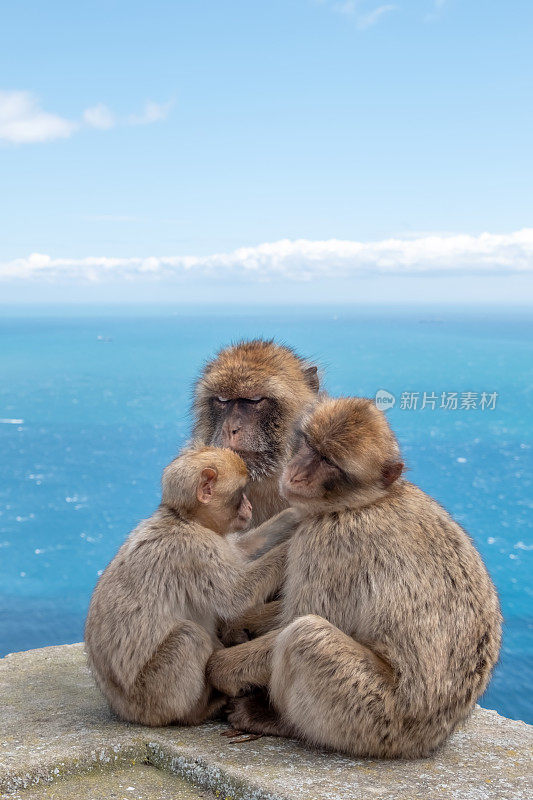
pixel 255 399
pixel 223 399
pixel 328 461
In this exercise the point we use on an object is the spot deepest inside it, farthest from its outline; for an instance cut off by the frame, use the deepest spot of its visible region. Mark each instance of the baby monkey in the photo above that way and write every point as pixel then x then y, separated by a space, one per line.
pixel 153 616
pixel 389 625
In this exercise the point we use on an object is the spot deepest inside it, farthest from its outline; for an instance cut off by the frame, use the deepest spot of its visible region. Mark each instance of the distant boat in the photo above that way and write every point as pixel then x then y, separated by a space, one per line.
pixel 12 421
pixel 104 338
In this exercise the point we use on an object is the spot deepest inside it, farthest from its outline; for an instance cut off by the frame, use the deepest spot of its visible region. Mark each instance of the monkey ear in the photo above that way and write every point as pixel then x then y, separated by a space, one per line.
pixel 311 378
pixel 208 478
pixel 391 472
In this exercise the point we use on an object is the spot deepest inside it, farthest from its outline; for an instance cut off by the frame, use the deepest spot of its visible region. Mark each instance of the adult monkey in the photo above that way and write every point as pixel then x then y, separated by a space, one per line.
pixel 388 627
pixel 248 399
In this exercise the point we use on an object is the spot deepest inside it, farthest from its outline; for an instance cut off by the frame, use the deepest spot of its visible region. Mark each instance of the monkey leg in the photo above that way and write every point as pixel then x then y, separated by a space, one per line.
pixel 171 687
pixel 334 692
pixel 236 669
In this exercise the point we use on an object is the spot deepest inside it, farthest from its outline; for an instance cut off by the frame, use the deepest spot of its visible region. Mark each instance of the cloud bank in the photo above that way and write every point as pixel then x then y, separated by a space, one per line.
pixel 300 259
pixel 23 121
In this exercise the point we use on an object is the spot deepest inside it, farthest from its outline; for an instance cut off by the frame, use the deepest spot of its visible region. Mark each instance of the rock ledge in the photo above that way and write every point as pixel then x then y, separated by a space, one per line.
pixel 58 739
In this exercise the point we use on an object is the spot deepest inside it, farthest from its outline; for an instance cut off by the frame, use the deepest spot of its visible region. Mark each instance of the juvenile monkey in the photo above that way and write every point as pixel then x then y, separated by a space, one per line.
pixel 389 625
pixel 248 399
pixel 152 619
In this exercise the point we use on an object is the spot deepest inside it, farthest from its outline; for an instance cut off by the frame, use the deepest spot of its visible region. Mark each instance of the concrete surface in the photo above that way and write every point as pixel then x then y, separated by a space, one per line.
pixel 58 740
pixel 141 782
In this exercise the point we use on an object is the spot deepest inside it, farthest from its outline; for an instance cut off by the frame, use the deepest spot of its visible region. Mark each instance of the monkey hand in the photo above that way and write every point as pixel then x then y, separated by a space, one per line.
pixel 278 529
pixel 223 671
pixel 232 633
pixel 287 519
pixel 273 532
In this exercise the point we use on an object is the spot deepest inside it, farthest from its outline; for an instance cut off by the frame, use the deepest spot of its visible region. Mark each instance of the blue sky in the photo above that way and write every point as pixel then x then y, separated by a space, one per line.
pixel 273 150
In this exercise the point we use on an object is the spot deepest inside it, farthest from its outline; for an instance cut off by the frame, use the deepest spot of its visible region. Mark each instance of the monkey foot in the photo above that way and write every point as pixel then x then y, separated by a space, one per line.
pixel 254 715
pixel 246 737
pixel 237 737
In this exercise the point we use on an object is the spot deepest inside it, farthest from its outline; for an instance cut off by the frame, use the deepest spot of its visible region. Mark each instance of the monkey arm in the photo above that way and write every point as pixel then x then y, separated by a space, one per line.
pixel 274 531
pixel 257 621
pixel 256 582
pixel 226 589
pixel 235 669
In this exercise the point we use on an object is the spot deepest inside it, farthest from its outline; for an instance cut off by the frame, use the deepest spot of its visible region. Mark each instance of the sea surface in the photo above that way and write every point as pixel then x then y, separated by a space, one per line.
pixel 94 401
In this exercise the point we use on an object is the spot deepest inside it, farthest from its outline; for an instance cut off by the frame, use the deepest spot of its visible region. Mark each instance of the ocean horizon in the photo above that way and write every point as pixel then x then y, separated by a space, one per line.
pixel 95 401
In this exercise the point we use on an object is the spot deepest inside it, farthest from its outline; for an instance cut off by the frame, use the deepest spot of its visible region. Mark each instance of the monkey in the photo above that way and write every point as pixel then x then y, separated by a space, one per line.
pixel 248 399
pixel 389 625
pixel 153 615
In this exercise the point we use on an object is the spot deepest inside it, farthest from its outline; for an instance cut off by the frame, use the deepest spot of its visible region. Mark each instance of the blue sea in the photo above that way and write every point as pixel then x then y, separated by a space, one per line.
pixel 94 401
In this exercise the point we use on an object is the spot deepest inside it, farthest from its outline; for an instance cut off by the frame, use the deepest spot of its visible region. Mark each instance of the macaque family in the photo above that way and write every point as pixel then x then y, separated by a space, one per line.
pixel 153 616
pixel 387 627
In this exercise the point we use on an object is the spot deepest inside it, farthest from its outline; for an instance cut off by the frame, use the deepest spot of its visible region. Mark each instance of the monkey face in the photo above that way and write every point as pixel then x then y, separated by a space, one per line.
pixel 250 427
pixel 231 506
pixel 223 505
pixel 345 455
pixel 309 475
pixel 243 516
pixel 248 399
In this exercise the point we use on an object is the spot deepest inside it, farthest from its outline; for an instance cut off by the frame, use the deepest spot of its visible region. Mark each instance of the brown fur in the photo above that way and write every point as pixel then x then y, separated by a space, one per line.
pixel 255 369
pixel 152 621
pixel 390 625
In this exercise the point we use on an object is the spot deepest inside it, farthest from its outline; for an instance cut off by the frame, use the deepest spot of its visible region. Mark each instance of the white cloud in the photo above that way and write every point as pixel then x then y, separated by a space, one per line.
pixel 436 12
pixel 346 7
pixel 22 120
pixel 302 259
pixel 369 19
pixel 364 17
pixel 152 112
pixel 100 117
